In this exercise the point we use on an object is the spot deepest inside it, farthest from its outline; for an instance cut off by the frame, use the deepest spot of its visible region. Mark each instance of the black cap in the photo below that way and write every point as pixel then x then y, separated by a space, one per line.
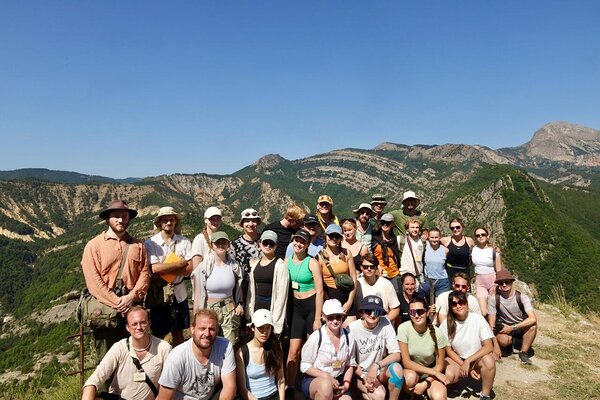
pixel 310 219
pixel 372 303
pixel 303 235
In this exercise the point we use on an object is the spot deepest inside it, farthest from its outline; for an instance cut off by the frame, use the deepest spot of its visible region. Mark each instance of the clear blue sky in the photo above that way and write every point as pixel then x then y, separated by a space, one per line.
pixel 140 88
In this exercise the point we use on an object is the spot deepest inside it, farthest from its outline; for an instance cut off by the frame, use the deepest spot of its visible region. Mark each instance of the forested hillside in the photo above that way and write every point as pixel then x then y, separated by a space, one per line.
pixel 548 231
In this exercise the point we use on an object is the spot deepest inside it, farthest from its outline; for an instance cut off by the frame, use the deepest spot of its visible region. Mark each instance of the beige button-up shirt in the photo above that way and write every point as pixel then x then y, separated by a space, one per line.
pixel 118 361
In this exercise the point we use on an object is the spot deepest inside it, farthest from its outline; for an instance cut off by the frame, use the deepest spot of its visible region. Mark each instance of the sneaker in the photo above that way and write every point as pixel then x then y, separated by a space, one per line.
pixel 525 360
pixel 485 397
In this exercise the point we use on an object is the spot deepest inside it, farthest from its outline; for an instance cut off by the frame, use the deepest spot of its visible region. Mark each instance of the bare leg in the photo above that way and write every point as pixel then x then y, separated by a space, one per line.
pixel 321 389
pixel 529 335
pixel 292 362
pixel 486 367
pixel 437 391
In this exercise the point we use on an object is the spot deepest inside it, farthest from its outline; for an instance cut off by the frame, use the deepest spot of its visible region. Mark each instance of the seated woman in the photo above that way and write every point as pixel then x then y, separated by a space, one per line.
pixel 328 357
pixel 422 348
pixel 336 260
pixel 378 353
pixel 470 345
pixel 409 292
pixel 259 363
pixel 217 285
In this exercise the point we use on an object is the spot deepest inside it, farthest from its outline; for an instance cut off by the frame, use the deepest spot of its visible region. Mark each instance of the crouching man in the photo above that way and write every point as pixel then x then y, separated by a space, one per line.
pixel 513 319
pixel 135 363
pixel 201 368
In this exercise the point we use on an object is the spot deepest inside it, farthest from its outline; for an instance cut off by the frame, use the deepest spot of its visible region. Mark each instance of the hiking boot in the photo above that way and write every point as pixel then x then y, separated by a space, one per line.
pixel 485 397
pixel 525 360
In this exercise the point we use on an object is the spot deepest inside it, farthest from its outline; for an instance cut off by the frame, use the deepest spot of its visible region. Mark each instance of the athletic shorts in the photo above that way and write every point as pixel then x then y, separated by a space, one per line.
pixel 303 317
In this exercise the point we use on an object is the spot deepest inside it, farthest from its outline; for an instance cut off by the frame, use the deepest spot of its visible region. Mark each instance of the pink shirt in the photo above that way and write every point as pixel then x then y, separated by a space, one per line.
pixel 100 264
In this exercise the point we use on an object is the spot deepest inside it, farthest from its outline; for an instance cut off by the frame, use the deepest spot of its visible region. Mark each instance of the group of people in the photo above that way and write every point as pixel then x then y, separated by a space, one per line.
pixel 378 303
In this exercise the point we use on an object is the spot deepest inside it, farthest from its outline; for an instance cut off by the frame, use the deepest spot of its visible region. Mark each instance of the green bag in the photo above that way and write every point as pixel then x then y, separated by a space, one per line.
pixel 94 314
pixel 343 282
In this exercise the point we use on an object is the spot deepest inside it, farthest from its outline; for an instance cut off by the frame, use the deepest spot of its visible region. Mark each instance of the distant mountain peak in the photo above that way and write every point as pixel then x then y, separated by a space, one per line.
pixel 269 161
pixel 566 142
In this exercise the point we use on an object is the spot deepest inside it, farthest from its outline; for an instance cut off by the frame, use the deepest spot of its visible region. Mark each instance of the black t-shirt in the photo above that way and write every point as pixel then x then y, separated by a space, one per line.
pixel 284 237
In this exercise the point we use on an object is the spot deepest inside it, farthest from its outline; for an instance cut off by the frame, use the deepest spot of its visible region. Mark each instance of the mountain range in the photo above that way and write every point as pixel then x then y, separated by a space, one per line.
pixel 539 200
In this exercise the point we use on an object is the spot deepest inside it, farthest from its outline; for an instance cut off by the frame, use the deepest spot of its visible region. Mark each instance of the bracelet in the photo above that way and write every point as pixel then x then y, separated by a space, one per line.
pixel 346 381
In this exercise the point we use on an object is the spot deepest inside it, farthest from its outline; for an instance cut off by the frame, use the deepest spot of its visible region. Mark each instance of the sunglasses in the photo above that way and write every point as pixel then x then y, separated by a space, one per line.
pixel 456 228
pixel 335 317
pixel 460 302
pixel 373 313
pixel 268 243
pixel 386 223
pixel 324 204
pixel 368 266
pixel 249 214
pixel 334 236
pixel 417 311
pixel 459 286
pixel 480 235
pixel 502 283
pixel 363 212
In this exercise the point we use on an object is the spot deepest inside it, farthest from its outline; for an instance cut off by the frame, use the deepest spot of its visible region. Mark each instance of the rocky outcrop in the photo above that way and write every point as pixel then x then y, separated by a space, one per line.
pixel 564 142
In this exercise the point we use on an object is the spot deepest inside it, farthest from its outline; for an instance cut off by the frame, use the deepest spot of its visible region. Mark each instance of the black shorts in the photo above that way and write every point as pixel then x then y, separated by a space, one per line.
pixel 174 317
pixel 342 296
pixel 303 317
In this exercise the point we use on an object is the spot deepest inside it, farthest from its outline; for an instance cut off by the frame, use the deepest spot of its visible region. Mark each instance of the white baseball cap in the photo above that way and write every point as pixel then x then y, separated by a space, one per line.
pixel 261 317
pixel 333 307
pixel 211 212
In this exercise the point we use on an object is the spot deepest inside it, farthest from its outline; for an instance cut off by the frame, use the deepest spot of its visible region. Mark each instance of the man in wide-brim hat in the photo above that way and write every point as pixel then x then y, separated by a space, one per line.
pixel 170 256
pixel 101 262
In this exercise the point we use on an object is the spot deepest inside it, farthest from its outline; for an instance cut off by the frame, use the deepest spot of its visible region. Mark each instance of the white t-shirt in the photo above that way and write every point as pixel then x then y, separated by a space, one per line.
pixel 322 358
pixel 382 289
pixel 192 380
pixel 373 345
pixel 158 250
pixel 441 303
pixel 406 260
pixel 469 335
pixel 483 260
pixel 200 246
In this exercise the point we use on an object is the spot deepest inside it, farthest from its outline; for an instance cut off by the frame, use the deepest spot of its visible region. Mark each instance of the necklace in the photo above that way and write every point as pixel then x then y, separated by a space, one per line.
pixel 144 349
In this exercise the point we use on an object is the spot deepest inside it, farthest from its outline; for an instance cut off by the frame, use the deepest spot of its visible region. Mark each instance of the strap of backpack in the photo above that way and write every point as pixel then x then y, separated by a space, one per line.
pixel 245 354
pixel 119 282
pixel 498 312
pixel 321 337
pixel 137 364
pixel 408 240
pixel 520 303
